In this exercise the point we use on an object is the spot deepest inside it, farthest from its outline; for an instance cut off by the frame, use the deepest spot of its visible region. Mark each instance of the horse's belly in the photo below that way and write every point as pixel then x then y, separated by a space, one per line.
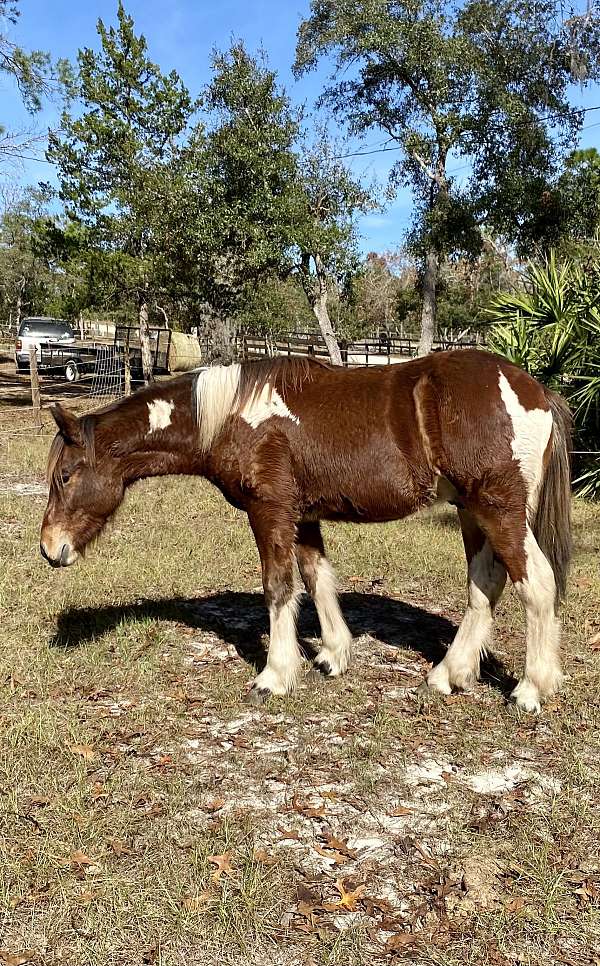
pixel 376 499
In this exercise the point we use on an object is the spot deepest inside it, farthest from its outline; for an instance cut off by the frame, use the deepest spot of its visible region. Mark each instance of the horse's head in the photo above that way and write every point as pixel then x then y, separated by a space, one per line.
pixel 85 489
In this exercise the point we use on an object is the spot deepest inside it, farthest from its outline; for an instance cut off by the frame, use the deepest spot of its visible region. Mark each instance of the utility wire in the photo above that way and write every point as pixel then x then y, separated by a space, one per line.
pixel 545 117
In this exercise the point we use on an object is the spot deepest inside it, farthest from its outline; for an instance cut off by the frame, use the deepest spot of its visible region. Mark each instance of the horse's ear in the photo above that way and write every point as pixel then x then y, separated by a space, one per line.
pixel 68 424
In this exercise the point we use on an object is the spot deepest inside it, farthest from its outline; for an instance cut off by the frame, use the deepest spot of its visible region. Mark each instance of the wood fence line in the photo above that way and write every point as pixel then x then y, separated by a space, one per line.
pixel 374 351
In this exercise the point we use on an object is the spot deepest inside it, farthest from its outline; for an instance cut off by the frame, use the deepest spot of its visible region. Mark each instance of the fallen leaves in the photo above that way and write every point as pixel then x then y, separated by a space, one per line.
pixel 223 864
pixel 86 752
pixel 400 811
pixel 334 849
pixel 336 857
pixel 400 940
pixel 17 959
pixel 516 905
pixel 349 897
pixel 119 847
pixel 82 864
pixel 214 805
pixel 306 809
pixel 594 642
pixel 340 845
pixel 260 855
pixel 79 859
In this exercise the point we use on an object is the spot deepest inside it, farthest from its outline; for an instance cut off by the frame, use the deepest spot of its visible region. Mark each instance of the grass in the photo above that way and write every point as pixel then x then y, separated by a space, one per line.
pixel 128 763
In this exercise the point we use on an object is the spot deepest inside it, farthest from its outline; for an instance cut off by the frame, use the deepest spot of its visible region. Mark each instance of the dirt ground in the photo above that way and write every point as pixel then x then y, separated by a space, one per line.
pixel 150 816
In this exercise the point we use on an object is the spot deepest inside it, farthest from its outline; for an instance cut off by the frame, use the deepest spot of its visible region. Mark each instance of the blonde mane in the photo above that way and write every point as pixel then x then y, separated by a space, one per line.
pixel 221 391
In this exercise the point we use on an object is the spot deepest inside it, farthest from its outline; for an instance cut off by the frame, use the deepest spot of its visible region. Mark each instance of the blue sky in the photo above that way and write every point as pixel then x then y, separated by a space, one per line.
pixel 181 35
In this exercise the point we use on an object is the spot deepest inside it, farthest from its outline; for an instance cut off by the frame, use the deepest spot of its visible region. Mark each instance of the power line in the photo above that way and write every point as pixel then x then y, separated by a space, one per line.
pixel 545 117
pixel 372 149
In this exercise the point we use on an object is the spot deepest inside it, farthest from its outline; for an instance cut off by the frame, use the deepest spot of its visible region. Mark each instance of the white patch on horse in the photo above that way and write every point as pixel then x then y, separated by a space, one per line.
pixel 336 636
pixel 159 413
pixel 283 660
pixel 265 404
pixel 543 675
pixel 460 667
pixel 531 433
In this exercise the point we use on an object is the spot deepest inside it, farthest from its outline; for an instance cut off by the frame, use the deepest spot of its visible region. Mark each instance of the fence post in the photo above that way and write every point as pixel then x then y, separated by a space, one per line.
pixel 35 389
pixel 127 370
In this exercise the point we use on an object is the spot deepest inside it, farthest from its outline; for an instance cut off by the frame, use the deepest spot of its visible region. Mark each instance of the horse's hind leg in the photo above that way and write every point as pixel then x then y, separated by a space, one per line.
pixel 537 591
pixel 486 579
pixel 531 573
pixel 319 580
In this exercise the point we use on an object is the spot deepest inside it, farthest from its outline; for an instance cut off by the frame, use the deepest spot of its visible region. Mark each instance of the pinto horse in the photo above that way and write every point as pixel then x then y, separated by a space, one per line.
pixel 294 441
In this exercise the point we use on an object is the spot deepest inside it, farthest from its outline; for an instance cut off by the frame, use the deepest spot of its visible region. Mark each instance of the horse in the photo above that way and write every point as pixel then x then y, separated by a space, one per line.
pixel 294 441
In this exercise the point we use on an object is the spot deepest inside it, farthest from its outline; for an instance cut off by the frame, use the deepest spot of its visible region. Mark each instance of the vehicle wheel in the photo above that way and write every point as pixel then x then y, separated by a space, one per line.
pixel 72 373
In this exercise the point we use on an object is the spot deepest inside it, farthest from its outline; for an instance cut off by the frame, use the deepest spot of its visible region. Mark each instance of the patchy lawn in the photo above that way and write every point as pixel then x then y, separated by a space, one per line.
pixel 149 816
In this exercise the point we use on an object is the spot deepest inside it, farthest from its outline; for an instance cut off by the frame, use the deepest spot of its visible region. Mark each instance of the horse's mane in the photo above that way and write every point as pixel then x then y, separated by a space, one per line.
pixel 223 390
pixel 285 373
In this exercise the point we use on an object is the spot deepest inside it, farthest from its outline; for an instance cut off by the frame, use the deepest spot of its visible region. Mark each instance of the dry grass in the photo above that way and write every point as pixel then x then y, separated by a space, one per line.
pixel 128 760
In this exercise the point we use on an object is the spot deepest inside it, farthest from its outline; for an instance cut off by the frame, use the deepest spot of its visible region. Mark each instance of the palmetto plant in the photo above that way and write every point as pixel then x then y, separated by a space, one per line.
pixel 552 329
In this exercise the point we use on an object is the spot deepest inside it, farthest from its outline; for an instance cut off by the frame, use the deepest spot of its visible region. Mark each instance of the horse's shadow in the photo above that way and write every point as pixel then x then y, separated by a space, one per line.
pixel 241 620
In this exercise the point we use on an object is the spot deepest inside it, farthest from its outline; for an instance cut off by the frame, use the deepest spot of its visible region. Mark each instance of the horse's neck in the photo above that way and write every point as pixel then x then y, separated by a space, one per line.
pixel 153 433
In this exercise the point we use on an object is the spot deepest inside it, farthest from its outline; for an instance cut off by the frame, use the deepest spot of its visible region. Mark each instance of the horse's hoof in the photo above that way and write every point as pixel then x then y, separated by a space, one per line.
pixel 257 697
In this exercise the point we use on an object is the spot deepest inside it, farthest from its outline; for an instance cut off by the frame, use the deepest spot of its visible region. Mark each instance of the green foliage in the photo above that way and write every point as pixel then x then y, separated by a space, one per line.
pixel 330 198
pixel 276 307
pixel 119 157
pixel 31 71
pixel 552 329
pixel 569 217
pixel 244 193
pixel 28 284
pixel 487 81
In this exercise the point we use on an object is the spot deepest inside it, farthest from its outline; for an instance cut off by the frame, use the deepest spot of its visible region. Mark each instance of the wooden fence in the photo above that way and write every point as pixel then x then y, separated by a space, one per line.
pixel 382 350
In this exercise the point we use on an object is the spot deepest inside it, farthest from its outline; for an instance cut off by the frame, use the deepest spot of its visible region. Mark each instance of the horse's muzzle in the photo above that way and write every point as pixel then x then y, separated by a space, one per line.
pixel 65 558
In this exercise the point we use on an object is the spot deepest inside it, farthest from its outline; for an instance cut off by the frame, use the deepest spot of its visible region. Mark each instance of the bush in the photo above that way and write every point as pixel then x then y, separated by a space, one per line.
pixel 551 329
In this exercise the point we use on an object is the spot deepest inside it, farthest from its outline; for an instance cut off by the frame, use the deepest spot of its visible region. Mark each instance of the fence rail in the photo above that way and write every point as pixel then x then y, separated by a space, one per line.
pixel 381 350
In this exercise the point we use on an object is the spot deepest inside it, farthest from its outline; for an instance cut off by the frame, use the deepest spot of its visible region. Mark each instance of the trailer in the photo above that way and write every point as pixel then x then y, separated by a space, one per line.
pixel 98 359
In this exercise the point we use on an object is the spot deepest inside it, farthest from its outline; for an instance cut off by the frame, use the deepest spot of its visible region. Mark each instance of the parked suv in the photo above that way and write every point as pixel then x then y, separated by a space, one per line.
pixel 39 332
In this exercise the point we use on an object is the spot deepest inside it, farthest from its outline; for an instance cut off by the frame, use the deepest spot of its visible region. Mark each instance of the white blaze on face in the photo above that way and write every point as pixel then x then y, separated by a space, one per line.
pixel 263 405
pixel 531 432
pixel 159 414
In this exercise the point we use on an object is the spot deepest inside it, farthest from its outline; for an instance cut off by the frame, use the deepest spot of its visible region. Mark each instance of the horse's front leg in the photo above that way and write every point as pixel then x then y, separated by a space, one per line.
pixel 275 532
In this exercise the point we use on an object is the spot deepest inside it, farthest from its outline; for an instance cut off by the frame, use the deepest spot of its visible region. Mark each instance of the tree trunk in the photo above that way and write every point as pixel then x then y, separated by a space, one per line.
pixel 317 297
pixel 145 342
pixel 160 309
pixel 429 309
pixel 19 301
pixel 222 339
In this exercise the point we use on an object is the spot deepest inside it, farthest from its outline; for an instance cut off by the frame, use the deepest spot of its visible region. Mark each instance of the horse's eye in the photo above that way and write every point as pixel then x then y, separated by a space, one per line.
pixel 65 477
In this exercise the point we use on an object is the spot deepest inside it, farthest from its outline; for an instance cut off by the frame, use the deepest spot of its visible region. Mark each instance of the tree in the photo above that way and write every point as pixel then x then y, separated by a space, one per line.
pixel 120 161
pixel 27 284
pixel 568 215
pixel 31 71
pixel 243 189
pixel 326 237
pixel 486 82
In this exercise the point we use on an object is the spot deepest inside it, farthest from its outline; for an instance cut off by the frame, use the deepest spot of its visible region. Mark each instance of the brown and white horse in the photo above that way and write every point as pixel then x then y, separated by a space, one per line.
pixel 293 442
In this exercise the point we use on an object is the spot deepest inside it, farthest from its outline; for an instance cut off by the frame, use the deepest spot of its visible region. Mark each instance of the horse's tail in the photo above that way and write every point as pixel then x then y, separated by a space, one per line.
pixel 552 521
